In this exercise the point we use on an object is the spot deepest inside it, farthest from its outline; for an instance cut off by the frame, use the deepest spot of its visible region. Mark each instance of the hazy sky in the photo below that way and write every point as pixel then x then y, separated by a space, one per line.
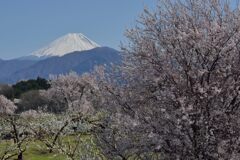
pixel 27 25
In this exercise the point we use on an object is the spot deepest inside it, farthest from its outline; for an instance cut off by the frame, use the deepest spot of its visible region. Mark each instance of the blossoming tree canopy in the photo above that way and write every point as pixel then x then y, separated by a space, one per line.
pixel 6 106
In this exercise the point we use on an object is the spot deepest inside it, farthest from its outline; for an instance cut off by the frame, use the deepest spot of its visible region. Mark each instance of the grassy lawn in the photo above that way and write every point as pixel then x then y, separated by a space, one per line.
pixel 34 152
pixel 37 150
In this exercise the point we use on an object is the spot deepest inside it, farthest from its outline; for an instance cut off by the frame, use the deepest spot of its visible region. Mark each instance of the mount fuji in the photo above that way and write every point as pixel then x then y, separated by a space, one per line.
pixel 66 44
pixel 71 52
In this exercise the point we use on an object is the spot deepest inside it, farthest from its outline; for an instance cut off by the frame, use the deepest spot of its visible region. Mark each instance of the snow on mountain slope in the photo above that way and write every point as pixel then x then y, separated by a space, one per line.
pixel 66 44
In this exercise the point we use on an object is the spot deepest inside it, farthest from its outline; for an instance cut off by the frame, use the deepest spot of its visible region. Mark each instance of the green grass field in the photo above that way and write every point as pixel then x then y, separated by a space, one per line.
pixel 37 150
pixel 33 152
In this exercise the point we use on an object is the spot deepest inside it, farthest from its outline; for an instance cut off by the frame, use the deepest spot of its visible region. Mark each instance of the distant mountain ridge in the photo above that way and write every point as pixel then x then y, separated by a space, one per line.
pixel 8 67
pixel 78 61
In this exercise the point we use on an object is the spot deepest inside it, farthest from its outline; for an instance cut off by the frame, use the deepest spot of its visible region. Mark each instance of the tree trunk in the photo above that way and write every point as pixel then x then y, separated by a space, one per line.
pixel 20 156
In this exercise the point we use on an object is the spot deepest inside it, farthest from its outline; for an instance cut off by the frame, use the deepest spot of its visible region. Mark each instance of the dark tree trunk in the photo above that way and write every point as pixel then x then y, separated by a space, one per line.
pixel 20 156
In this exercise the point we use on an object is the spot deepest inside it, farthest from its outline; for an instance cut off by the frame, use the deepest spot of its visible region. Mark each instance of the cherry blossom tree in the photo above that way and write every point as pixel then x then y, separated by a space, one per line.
pixel 7 107
pixel 181 83
pixel 74 96
pixel 70 92
pixel 13 127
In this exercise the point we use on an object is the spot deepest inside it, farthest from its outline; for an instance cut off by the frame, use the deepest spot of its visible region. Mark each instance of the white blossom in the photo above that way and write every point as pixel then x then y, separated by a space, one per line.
pixel 6 106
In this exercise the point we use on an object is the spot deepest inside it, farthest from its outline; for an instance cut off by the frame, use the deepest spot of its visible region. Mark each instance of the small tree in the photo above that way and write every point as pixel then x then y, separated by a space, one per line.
pixel 70 92
pixel 7 91
pixel 7 107
pixel 75 94
pixel 13 127
pixel 32 100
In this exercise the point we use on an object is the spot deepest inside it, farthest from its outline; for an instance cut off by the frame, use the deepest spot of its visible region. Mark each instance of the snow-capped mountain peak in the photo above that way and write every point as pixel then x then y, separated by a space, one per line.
pixel 66 44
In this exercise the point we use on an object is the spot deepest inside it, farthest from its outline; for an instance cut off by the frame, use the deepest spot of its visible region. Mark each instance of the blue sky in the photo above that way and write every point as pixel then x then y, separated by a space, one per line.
pixel 27 25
